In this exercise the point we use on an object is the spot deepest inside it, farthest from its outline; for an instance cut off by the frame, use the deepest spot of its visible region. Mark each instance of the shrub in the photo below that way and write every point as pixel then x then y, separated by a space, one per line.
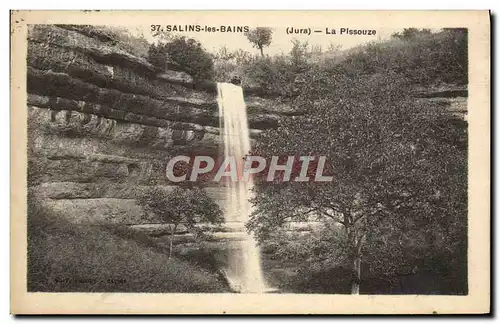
pixel 157 55
pixel 421 58
pixel 187 206
pixel 273 75
pixel 228 64
pixel 186 52
pixel 424 58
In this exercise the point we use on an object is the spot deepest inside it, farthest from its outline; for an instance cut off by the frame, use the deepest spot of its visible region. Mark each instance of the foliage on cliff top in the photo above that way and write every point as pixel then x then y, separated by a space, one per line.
pixel 186 52
pixel 424 58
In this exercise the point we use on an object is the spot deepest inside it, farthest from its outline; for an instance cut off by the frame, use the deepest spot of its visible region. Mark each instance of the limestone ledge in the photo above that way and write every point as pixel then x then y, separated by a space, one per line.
pixel 456 104
pixel 71 169
pixel 453 99
pixel 67 130
pixel 101 100
pixel 111 170
pixel 54 84
pixel 61 110
pixel 442 91
pixel 46 145
pixel 67 50
pixel 71 164
pixel 77 124
pixel 100 211
pixel 112 211
pixel 94 47
pixel 99 203
pixel 76 64
pixel 91 190
pixel 84 159
pixel 82 163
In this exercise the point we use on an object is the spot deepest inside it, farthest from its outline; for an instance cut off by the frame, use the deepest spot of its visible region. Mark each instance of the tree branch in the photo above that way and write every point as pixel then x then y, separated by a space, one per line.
pixel 333 217
pixel 360 242
pixel 305 213
pixel 379 209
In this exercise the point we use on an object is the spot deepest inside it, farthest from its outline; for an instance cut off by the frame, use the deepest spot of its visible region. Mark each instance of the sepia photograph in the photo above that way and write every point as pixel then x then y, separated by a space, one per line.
pixel 219 157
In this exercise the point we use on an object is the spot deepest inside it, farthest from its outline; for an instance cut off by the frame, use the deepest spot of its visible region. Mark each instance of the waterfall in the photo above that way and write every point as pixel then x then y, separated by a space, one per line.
pixel 244 269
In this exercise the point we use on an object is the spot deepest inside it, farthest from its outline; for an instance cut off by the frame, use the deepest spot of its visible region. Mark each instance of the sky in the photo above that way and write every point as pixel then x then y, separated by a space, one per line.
pixel 281 41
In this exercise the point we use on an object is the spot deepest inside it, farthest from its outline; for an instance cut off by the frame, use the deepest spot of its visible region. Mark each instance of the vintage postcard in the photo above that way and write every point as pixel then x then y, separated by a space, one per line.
pixel 250 162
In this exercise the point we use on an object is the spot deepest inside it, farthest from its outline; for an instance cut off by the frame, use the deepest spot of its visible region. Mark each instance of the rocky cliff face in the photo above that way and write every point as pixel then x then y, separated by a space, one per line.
pixel 103 123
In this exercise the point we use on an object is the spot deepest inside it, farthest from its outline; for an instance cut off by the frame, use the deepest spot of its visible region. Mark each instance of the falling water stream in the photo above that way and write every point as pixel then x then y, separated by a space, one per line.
pixel 244 269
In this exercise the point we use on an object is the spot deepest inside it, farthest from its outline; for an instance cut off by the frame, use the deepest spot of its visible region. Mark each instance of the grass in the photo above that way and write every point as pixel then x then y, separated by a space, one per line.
pixel 63 257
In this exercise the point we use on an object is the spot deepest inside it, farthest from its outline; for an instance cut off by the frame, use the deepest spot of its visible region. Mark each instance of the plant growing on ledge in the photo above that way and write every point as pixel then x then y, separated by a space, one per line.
pixel 187 52
pixel 189 207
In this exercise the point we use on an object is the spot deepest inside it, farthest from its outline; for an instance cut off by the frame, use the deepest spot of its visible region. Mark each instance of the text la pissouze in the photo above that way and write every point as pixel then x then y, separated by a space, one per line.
pixel 200 28
pixel 243 29
pixel 344 31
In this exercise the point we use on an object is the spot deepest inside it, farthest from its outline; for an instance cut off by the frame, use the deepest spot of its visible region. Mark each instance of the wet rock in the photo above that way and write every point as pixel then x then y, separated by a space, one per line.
pixel 236 80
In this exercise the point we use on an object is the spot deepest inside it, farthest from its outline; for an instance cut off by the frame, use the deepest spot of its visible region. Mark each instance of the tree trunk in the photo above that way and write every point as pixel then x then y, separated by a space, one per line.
pixel 356 279
pixel 355 259
pixel 171 243
pixel 261 51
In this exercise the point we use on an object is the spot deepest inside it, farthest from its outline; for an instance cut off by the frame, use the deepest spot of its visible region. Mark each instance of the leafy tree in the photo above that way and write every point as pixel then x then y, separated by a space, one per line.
pixel 189 207
pixel 333 48
pixel 158 56
pixel 260 37
pixel 187 52
pixel 229 63
pixel 399 167
pixel 298 54
pixel 224 54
